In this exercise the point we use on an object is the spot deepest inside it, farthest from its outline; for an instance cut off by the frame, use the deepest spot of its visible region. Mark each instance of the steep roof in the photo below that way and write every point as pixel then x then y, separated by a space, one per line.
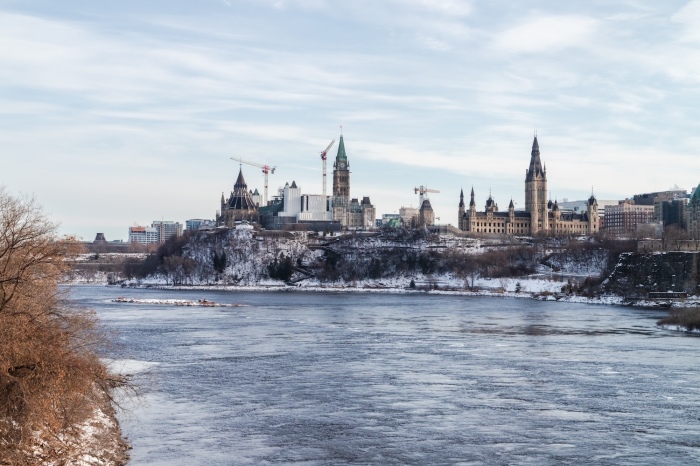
pixel 535 168
pixel 240 197
pixel 240 182
pixel 341 151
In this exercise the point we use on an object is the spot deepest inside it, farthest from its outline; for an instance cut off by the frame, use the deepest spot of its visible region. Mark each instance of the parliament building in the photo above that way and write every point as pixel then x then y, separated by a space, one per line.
pixel 541 216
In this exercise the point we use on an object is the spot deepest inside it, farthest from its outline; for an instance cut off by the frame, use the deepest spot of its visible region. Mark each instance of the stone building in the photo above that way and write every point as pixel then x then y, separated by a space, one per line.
pixel 239 206
pixel 349 211
pixel 541 216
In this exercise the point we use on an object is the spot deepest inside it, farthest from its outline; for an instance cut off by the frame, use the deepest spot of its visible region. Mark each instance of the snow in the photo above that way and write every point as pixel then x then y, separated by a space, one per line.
pixel 175 302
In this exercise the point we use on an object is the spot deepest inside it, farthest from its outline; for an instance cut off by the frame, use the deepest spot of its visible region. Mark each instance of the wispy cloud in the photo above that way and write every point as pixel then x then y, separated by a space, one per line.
pixel 547 33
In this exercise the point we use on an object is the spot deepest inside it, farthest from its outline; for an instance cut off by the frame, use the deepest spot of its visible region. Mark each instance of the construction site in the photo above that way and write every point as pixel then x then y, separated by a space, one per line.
pixel 290 209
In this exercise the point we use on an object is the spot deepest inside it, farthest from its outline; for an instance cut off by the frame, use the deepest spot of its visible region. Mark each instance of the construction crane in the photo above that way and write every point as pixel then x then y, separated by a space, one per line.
pixel 266 169
pixel 323 157
pixel 423 190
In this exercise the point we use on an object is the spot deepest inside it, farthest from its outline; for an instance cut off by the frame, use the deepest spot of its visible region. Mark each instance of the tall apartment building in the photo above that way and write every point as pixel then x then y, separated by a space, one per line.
pixel 622 219
pixel 166 229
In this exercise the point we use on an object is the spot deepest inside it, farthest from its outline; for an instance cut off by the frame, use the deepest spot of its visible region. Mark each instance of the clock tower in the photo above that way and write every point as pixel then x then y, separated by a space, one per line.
pixel 341 175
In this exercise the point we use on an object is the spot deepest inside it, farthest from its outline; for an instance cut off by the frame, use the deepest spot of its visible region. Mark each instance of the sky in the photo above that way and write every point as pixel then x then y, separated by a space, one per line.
pixel 116 113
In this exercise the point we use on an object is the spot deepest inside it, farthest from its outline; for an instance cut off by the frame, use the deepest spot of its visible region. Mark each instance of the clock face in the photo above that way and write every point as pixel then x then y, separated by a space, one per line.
pixel 342 166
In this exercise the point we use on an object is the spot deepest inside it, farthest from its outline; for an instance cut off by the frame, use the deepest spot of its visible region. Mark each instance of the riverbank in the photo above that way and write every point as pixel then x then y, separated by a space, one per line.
pixel 538 288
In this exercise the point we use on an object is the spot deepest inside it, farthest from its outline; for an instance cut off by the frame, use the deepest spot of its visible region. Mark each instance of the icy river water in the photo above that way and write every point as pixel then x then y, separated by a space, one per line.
pixel 354 378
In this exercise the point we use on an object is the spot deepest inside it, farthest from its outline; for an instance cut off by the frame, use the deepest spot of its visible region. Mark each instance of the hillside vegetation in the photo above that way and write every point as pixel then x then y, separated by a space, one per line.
pixel 245 257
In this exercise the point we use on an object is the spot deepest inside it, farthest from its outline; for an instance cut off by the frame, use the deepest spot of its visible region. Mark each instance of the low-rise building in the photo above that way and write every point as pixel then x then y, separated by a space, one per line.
pixel 143 235
pixel 195 224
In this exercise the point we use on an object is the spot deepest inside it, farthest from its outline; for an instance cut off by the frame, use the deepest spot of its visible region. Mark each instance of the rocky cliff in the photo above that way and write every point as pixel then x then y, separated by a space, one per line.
pixel 635 275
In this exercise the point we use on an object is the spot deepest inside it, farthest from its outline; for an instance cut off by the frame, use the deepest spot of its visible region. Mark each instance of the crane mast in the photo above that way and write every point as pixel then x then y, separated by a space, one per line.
pixel 266 169
pixel 323 157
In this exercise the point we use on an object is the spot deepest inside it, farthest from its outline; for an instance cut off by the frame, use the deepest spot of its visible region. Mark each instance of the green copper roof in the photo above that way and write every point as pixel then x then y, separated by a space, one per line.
pixel 341 150
pixel 695 198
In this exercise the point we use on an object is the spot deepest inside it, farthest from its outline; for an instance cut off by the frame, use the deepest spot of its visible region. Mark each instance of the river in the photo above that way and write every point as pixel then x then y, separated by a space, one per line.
pixel 417 379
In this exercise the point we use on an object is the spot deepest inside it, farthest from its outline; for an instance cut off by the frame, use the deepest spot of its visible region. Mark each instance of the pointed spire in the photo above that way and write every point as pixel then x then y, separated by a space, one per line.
pixel 511 205
pixel 240 182
pixel 461 198
pixel 535 162
pixel 592 200
pixel 472 203
pixel 341 151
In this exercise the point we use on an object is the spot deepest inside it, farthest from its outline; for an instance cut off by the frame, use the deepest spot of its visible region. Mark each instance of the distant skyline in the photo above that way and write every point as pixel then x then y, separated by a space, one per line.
pixel 121 113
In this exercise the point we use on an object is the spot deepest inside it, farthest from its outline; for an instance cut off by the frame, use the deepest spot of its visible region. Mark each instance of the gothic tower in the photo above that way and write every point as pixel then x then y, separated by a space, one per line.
pixel 536 192
pixel 341 174
pixel 460 209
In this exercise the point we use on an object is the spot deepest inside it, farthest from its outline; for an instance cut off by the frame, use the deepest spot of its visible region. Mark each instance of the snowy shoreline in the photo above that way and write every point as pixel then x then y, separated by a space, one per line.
pixel 539 289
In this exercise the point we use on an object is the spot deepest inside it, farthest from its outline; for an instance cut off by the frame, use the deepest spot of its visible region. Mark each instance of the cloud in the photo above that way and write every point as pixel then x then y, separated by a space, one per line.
pixel 689 17
pixel 546 34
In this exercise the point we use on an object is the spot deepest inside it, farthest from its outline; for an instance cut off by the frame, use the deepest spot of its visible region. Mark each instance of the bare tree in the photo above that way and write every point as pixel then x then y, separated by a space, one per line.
pixel 50 376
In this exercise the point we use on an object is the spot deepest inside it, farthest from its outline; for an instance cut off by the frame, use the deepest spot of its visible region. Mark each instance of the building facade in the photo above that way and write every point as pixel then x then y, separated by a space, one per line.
pixel 166 229
pixel 349 212
pixel 624 218
pixel 541 216
pixel 143 235
pixel 194 224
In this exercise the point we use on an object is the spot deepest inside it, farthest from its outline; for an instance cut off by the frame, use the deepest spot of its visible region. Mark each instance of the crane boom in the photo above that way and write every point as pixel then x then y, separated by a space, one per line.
pixel 423 190
pixel 266 169
pixel 323 157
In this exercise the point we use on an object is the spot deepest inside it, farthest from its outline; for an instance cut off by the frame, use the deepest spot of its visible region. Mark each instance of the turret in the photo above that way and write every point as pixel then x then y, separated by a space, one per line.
pixel 592 211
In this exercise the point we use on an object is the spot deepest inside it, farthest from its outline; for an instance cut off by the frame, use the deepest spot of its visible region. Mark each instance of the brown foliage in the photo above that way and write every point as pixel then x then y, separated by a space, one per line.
pixel 49 372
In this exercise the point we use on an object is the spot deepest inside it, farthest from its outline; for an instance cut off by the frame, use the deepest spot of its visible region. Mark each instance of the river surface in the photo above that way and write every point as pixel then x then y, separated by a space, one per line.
pixel 352 378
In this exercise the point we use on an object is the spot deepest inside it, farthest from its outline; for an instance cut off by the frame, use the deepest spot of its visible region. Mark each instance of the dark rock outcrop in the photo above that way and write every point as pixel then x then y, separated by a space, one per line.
pixel 636 275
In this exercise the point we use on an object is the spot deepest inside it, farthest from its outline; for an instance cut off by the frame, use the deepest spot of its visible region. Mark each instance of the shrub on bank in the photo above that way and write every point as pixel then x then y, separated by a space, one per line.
pixel 686 318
